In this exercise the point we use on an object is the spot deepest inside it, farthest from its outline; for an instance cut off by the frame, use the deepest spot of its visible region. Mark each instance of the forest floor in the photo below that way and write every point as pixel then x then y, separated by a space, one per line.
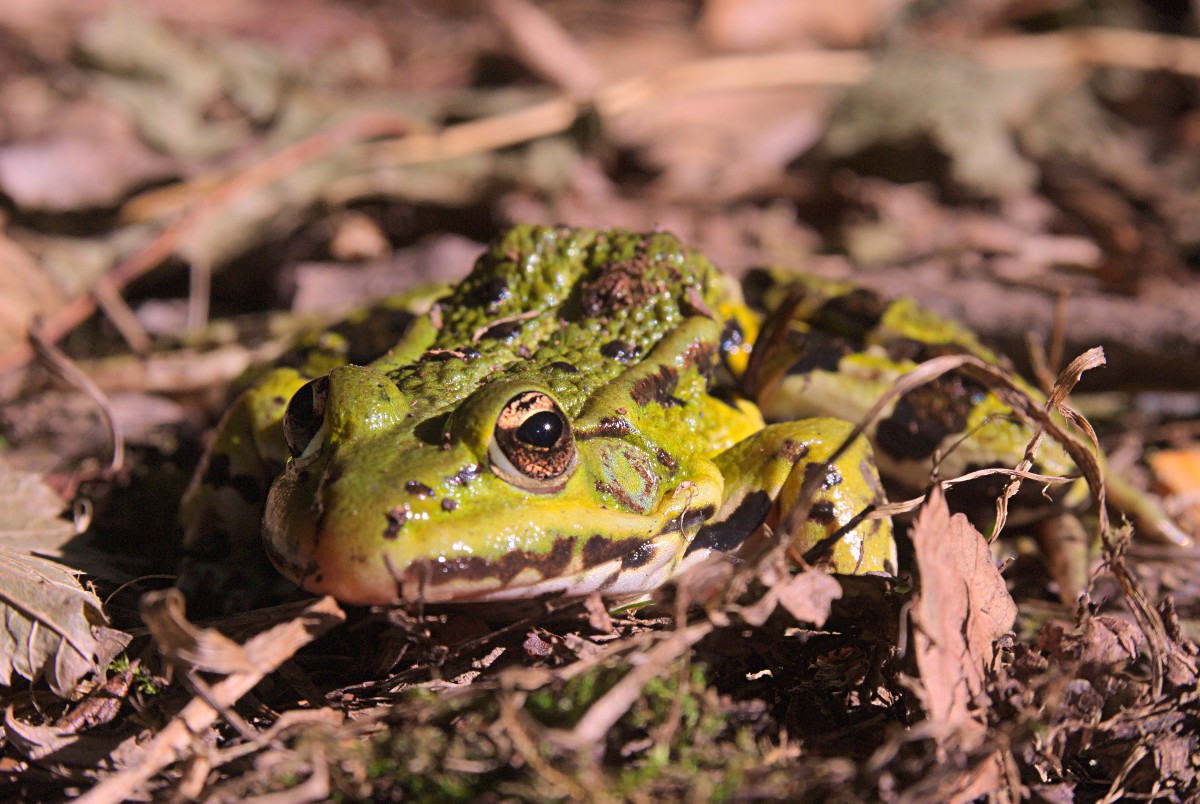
pixel 184 187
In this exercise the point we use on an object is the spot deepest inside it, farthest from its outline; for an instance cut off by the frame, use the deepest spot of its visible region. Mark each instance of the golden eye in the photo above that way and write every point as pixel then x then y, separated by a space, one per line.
pixel 305 417
pixel 532 446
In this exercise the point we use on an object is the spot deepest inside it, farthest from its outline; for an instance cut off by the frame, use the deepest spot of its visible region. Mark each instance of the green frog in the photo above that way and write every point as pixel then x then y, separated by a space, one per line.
pixel 569 419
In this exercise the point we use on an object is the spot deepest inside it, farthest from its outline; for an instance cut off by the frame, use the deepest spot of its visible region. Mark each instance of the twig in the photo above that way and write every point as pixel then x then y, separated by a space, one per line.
pixel 271 648
pixel 67 369
pixel 1091 47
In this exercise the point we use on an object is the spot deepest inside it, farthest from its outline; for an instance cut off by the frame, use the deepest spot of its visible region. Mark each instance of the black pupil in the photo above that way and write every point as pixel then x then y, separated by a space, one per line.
pixel 542 429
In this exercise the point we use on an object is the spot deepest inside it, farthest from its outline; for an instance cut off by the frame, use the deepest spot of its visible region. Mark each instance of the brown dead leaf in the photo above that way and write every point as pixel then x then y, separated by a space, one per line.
pixel 181 642
pixel 598 616
pixel 1103 644
pixel 809 595
pixel 52 625
pixel 961 608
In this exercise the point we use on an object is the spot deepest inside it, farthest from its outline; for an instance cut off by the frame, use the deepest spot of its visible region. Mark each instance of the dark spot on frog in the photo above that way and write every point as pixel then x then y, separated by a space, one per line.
pixel 524 352
pixel 756 283
pixel 732 337
pixel 622 351
pixel 851 315
pixel 608 427
pixel 816 351
pixel 465 353
pixel 640 556
pixel 599 550
pixel 637 460
pixel 691 518
pixel 620 286
pixel 489 294
pixel 396 517
pixel 822 512
pixel 449 504
pixel 502 330
pixel 610 579
pixel 924 416
pixel 218 475
pixel 702 355
pixel 833 479
pixel 419 489
pixel 664 458
pixel 504 568
pixel 563 366
pixel 464 475
pixel 728 534
pixel 657 387
pixel 793 451
pixel 432 431
pixel 617 492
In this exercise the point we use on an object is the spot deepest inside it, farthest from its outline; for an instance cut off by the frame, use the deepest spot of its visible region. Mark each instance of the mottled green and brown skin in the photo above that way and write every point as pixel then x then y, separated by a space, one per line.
pixel 553 425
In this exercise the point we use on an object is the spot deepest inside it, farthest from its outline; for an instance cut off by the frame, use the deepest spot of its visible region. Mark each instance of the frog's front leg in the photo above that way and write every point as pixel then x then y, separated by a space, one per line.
pixel 763 478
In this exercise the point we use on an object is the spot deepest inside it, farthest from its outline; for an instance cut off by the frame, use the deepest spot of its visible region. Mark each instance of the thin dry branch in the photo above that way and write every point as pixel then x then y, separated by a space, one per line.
pixel 270 649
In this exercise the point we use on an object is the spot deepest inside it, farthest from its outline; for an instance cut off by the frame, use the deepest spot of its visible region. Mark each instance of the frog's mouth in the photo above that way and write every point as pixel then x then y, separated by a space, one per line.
pixel 501 543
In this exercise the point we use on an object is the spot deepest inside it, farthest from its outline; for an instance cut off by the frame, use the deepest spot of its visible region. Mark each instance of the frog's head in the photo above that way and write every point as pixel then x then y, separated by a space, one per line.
pixel 499 495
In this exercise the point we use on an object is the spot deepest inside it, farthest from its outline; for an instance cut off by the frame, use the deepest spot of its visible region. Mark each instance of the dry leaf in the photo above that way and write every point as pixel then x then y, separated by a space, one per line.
pixel 809 595
pixel 52 625
pixel 961 608
pixel 181 642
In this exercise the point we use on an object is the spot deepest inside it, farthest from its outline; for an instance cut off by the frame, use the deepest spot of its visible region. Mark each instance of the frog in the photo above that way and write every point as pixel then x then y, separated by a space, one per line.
pixel 586 412
pixel 561 422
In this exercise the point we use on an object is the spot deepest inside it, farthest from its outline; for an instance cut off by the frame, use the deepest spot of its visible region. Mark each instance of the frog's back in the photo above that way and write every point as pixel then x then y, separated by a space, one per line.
pixel 573 307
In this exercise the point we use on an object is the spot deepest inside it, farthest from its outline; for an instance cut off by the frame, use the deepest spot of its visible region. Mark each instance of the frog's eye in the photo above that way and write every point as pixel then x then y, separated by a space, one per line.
pixel 305 417
pixel 532 446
